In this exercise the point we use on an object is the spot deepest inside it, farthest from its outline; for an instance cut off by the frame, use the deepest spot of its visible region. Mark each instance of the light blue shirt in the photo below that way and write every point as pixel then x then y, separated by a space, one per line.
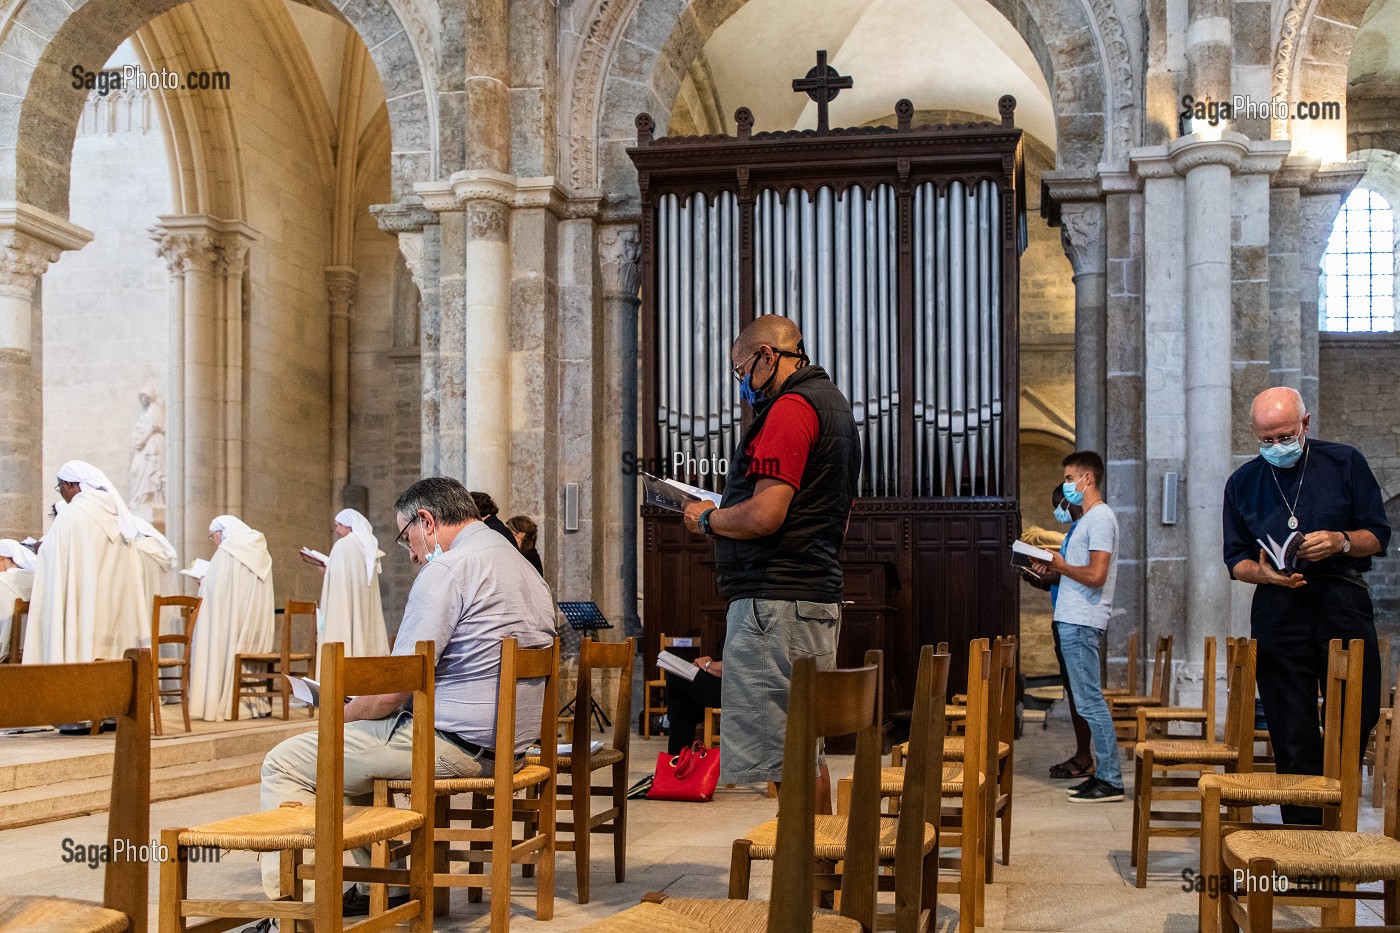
pixel 1077 604
pixel 478 593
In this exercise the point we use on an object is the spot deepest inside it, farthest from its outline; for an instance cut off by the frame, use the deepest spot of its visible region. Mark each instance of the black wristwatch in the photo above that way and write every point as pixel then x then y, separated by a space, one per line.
pixel 704 522
pixel 1346 543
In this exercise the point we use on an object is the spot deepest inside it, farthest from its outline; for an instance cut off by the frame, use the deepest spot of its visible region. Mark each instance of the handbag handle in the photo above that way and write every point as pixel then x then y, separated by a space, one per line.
pixel 687 758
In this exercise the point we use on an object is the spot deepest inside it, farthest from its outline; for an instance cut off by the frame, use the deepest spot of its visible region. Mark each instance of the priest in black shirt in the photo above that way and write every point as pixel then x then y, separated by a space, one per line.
pixel 1327 493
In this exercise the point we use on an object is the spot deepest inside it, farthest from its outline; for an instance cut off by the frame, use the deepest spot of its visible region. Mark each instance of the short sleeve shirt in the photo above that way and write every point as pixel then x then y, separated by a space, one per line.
pixel 1078 604
pixel 477 594
pixel 789 433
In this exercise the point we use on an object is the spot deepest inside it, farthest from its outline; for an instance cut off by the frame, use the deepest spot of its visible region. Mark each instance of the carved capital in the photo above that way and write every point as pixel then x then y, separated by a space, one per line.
pixel 406 216
pixel 1081 235
pixel 23 261
pixel 487 220
pixel 232 255
pixel 620 260
pixel 1190 152
pixel 1319 213
pixel 184 251
pixel 342 287
pixel 411 247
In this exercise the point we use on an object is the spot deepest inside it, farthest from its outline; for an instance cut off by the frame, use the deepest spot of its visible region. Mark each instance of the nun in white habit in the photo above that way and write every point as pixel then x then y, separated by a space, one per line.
pixel 158 559
pixel 17 564
pixel 236 618
pixel 350 605
pixel 89 592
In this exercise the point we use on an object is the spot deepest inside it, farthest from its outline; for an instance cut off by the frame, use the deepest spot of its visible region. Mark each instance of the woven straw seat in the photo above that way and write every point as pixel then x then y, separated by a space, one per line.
pixel 1179 713
pixel 892 780
pixel 1263 789
pixel 294 827
pixel 953 747
pixel 1138 699
pixel 703 915
pixel 1349 857
pixel 831 838
pixel 1169 750
pixel 599 759
pixel 37 914
pixel 528 776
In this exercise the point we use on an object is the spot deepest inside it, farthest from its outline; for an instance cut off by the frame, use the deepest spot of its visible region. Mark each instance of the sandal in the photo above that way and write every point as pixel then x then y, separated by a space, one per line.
pixel 1071 768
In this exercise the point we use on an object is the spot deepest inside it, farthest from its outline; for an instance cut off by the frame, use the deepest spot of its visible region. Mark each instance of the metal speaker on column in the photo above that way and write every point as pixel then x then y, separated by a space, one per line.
pixel 1169 481
pixel 571 506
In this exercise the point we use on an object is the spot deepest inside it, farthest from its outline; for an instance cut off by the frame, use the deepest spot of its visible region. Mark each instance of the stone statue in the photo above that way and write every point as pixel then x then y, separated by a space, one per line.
pixel 148 456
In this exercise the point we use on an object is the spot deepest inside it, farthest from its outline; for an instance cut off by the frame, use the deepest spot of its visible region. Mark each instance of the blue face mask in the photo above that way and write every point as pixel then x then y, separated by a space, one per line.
pixel 748 393
pixel 1282 456
pixel 1062 514
pixel 1073 494
pixel 437 550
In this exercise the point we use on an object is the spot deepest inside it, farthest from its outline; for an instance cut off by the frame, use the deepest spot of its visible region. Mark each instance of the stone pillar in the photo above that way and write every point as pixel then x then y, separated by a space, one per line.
pixel 1209 63
pixel 619 259
pixel 1082 233
pixel 341 284
pixel 31 239
pixel 1208 166
pixel 1285 271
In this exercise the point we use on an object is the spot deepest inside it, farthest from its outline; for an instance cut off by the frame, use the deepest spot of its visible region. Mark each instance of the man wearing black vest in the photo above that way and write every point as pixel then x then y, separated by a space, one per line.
pixel 778 533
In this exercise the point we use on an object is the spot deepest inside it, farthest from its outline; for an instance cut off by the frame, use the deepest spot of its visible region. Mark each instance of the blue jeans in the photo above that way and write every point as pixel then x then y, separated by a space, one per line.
pixel 1080 646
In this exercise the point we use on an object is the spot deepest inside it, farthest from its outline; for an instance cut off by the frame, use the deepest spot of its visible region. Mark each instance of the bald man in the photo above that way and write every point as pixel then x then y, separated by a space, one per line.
pixel 778 534
pixel 1327 494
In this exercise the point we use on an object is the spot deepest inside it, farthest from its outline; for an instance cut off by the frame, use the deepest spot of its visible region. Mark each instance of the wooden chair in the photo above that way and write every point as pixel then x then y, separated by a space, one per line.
pixel 1153 722
pixel 17 620
pixel 1154 762
pixel 495 808
pixel 189 613
pixel 1307 856
pixel 39 694
pixel 1337 790
pixel 597 656
pixel 1132 676
pixel 654 691
pixel 330 828
pixel 915 831
pixel 270 666
pixel 821 703
pixel 1375 745
pixel 1123 707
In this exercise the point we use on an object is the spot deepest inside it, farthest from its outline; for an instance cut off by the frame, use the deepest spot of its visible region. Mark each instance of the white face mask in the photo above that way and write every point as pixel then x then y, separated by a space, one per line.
pixel 437 549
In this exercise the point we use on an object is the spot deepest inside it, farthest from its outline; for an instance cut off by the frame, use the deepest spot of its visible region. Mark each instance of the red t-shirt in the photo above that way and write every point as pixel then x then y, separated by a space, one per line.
pixel 785 441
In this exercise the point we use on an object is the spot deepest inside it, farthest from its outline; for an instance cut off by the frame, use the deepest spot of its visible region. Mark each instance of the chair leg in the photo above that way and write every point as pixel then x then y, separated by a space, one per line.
pixel 1210 860
pixel 155 697
pixel 442 864
pixel 619 783
pixel 237 687
pixel 501 831
pixel 549 828
pixel 1260 898
pixel 286 699
pixel 583 831
pixel 1142 793
pixel 185 694
pixel 174 881
pixel 1006 828
pixel 739 866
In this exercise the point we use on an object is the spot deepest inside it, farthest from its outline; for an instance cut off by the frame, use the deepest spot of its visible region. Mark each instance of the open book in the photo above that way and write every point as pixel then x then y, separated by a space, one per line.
pixel 1284 556
pixel 317 556
pixel 307 690
pixel 566 748
pixel 676 665
pixel 198 569
pixel 674 495
pixel 1022 554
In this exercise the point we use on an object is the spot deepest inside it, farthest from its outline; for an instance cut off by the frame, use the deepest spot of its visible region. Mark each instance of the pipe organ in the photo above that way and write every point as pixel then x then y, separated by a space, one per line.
pixel 895 250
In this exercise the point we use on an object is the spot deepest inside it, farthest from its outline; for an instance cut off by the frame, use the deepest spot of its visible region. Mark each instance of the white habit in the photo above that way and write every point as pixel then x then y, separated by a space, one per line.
pixel 15 583
pixel 158 559
pixel 350 601
pixel 89 591
pixel 236 618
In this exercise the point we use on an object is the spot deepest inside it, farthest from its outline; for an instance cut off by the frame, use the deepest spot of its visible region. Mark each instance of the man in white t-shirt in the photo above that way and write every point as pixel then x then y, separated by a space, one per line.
pixel 1087 572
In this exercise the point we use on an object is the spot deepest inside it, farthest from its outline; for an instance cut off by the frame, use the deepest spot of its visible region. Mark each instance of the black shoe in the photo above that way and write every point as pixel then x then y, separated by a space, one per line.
pixel 1100 792
pixel 262 926
pixel 639 790
pixel 660 725
pixel 1081 786
pixel 355 904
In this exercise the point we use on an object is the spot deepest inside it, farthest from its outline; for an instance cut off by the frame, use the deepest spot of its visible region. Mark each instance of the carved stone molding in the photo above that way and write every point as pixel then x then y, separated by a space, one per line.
pixel 1265 156
pixel 411 248
pixel 232 255
pixel 479 185
pixel 201 243
pixel 1285 52
pixel 1081 235
pixel 586 93
pixel 185 252
pixel 420 27
pixel 487 220
pixel 620 260
pixel 407 216
pixel 1119 68
pixel 1319 213
pixel 342 287
pixel 1188 153
pixel 23 261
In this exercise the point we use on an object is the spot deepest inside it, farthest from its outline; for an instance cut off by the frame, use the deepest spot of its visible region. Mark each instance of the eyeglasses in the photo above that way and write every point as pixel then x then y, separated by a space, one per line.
pixel 737 371
pixel 403 541
pixel 1267 442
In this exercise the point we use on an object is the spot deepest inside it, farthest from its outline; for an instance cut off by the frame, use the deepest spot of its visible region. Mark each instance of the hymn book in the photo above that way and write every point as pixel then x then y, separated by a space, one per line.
pixel 673 495
pixel 1022 554
pixel 316 556
pixel 307 690
pixel 565 748
pixel 1283 556
pixel 198 569
pixel 676 665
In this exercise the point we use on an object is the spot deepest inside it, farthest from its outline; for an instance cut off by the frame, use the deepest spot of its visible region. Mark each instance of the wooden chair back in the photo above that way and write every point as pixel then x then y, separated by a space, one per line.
pixel 602 656
pixel 519 664
pixel 1131 670
pixel 825 703
pixel 1162 670
pixel 298 609
pixel 41 694
pixel 1208 669
pixel 1341 734
pixel 17 620
pixel 189 607
pixel 922 802
pixel 1239 699
pixel 342 677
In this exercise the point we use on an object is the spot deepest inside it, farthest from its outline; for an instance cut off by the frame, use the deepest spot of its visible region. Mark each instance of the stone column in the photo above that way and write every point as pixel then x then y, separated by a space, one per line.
pixel 1082 233
pixel 1285 271
pixel 31 240
pixel 341 284
pixel 1207 166
pixel 620 277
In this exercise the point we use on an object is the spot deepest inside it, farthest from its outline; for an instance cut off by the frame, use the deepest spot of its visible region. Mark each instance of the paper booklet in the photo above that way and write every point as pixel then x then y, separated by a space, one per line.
pixel 317 556
pixel 305 689
pixel 674 495
pixel 565 748
pixel 676 665
pixel 1284 556
pixel 198 569
pixel 1022 554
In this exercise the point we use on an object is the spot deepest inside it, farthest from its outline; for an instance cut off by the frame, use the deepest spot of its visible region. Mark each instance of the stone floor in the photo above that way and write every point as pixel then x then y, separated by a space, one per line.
pixel 1069 867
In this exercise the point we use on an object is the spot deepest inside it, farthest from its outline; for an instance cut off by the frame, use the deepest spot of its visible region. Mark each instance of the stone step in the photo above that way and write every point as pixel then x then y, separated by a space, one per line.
pixel 68 799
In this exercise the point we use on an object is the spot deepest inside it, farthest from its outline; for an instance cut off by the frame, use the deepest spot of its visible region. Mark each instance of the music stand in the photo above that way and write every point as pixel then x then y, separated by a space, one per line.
pixel 586 619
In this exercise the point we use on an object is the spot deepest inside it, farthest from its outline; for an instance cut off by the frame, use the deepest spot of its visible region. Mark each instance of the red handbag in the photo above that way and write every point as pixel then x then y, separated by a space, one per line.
pixel 690 776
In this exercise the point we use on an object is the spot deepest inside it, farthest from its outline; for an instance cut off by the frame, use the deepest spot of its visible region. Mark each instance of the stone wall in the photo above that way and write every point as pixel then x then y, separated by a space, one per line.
pixel 1360 405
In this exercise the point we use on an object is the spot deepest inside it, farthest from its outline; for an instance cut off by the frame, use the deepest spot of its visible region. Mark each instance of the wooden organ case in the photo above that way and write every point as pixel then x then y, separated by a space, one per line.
pixel 896 251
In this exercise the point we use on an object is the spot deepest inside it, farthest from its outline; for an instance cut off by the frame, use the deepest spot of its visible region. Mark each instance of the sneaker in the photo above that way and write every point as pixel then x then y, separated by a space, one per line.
pixel 262 926
pixel 355 904
pixel 1100 792
pixel 1081 786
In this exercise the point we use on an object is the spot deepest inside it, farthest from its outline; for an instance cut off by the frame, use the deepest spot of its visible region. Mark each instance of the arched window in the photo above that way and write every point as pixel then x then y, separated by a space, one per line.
pixel 1358 268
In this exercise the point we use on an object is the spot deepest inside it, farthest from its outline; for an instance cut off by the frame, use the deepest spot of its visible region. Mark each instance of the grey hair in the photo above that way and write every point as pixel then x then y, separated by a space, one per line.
pixel 441 497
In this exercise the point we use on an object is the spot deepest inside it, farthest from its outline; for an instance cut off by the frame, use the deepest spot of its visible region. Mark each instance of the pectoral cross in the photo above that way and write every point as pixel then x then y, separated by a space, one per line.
pixel 822 84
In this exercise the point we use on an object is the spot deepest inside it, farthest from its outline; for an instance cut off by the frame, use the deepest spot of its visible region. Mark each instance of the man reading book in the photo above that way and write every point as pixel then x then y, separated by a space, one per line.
pixel 1326 493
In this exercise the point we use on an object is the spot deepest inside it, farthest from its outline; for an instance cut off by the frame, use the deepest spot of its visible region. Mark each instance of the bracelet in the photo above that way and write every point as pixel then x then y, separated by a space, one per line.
pixel 707 666
pixel 704 522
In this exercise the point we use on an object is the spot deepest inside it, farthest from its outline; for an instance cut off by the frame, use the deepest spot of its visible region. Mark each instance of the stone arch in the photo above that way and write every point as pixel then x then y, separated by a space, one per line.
pixel 1314 52
pixel 631 57
pixel 43 39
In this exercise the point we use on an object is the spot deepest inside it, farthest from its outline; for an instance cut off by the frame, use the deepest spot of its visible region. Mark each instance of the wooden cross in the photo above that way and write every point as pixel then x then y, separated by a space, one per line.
pixel 822 84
